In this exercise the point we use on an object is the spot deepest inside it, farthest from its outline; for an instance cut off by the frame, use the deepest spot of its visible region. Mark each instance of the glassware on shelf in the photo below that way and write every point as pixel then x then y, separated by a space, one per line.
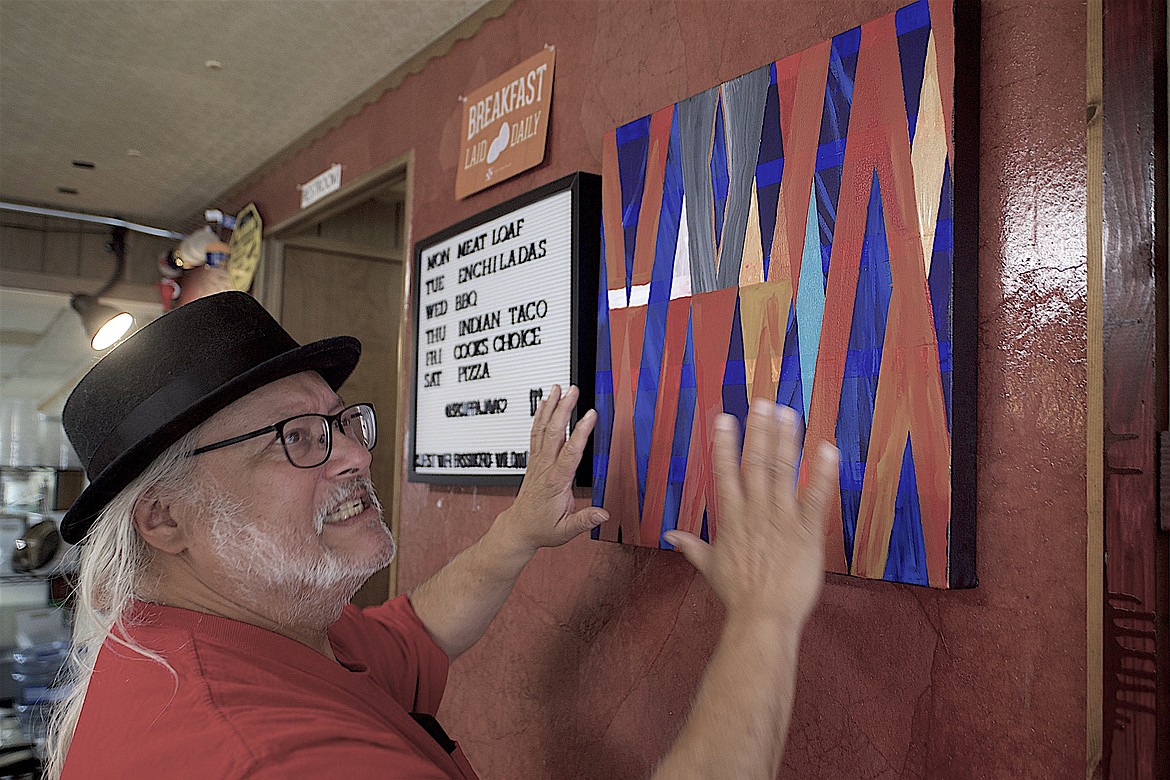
pixel 36 670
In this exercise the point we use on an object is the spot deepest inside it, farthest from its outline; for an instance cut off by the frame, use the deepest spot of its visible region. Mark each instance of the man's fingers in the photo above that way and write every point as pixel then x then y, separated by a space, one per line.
pixel 759 448
pixel 570 456
pixel 587 519
pixel 819 492
pixel 540 421
pixel 558 421
pixel 784 458
pixel 695 549
pixel 727 476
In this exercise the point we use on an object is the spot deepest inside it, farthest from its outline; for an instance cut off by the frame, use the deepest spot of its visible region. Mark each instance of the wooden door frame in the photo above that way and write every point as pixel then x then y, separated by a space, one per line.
pixel 1127 410
pixel 269 292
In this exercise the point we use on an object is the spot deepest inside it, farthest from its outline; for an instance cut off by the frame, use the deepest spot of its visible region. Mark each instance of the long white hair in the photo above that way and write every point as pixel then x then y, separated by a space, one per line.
pixel 113 562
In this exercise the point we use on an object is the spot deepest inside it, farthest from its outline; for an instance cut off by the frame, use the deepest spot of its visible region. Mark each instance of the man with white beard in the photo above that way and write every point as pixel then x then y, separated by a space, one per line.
pixel 230 518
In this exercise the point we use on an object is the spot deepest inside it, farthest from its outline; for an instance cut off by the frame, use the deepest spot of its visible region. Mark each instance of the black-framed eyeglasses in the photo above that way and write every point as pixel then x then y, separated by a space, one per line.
pixel 307 439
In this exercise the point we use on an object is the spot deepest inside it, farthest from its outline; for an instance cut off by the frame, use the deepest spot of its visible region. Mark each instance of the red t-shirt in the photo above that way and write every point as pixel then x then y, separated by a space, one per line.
pixel 248 703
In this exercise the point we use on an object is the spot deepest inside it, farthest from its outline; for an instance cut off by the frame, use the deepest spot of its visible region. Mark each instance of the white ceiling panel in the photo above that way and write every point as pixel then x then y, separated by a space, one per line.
pixel 91 80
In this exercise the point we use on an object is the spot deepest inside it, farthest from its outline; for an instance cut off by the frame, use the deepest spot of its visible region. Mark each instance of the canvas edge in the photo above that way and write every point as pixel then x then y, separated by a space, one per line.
pixel 965 294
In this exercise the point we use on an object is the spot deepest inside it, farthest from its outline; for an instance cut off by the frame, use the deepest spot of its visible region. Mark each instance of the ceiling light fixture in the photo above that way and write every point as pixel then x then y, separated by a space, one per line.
pixel 104 324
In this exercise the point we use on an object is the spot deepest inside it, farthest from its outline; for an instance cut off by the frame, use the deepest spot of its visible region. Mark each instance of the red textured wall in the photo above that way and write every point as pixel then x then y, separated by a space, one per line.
pixel 589 670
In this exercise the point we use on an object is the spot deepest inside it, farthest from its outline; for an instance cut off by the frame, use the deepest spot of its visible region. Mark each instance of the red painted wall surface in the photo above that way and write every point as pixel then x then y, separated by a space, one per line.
pixel 589 669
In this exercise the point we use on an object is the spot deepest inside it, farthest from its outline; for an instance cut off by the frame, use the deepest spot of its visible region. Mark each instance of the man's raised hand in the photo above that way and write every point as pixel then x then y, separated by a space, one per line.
pixel 542 515
pixel 767 559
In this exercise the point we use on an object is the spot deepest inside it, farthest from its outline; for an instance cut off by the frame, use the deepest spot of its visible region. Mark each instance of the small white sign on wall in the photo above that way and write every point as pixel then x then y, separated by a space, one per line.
pixel 320 186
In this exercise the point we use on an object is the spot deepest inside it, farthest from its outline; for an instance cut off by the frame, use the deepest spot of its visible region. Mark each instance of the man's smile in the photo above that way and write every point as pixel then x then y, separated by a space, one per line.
pixel 349 509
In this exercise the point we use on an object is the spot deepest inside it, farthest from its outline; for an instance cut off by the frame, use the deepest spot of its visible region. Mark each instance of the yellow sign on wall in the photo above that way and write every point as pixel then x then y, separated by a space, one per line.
pixel 245 248
pixel 505 125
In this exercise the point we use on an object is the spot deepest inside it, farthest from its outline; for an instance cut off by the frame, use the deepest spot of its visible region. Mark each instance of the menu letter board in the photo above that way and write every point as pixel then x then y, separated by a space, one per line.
pixel 504 308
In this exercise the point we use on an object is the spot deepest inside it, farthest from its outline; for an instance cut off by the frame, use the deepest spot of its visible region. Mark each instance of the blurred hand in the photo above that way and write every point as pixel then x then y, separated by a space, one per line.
pixel 542 515
pixel 768 558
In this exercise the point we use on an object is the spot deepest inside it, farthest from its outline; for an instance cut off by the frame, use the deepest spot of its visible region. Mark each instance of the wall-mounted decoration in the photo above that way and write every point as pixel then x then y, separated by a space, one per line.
pixel 805 233
pixel 499 301
pixel 505 125
pixel 245 247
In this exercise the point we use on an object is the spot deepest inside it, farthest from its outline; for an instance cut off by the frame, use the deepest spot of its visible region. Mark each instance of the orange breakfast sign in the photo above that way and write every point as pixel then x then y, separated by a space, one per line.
pixel 505 125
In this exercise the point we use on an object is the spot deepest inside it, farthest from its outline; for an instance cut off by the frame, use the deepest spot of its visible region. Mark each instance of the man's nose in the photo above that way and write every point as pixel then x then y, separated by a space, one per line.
pixel 348 457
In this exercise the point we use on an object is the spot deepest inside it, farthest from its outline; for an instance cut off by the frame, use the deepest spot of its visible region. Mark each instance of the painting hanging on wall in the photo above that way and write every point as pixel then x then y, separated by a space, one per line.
pixel 806 233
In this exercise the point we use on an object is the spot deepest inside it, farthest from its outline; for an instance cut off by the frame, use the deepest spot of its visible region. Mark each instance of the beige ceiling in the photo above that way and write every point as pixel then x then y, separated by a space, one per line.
pixel 91 80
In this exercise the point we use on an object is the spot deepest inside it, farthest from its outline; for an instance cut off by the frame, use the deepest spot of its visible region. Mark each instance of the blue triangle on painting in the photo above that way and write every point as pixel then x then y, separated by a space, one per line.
pixel 681 440
pixel 863 360
pixel 769 170
pixel 633 144
pixel 669 218
pixel 907 557
pixel 941 284
pixel 913 27
pixel 602 392
pixel 789 389
pixel 831 143
pixel 735 389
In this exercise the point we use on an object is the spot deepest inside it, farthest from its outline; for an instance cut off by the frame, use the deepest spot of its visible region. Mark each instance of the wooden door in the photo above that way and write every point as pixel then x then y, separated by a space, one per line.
pixel 329 293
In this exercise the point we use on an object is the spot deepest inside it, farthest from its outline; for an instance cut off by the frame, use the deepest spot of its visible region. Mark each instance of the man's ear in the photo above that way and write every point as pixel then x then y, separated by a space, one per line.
pixel 157 526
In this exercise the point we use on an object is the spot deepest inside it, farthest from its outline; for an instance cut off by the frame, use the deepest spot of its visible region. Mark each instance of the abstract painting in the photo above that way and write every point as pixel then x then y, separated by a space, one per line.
pixel 804 233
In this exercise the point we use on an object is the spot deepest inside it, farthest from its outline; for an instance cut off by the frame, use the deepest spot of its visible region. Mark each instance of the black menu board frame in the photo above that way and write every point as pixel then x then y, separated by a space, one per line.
pixel 582 229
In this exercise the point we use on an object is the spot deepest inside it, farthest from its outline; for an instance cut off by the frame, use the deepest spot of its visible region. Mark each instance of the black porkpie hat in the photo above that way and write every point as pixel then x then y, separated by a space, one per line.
pixel 172 375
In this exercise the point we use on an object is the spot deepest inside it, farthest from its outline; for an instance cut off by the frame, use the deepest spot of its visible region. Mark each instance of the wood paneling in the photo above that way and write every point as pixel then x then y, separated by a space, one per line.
pixel 72 255
pixel 374 224
pixel 331 293
pixel 63 252
pixel 1134 667
pixel 22 242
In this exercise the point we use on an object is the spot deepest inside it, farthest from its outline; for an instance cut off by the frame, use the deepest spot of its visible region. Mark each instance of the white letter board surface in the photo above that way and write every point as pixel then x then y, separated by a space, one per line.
pixel 504 308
